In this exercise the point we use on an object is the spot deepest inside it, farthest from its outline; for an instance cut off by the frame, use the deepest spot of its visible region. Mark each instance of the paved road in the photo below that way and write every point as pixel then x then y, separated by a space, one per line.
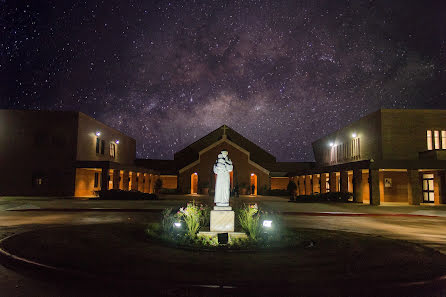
pixel 428 230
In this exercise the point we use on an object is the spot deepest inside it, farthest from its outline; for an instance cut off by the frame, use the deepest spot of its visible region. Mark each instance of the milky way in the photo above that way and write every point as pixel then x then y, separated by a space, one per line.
pixel 281 73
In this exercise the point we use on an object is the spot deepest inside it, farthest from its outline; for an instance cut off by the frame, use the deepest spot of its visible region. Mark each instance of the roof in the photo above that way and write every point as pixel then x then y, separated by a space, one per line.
pixel 163 166
pixel 191 153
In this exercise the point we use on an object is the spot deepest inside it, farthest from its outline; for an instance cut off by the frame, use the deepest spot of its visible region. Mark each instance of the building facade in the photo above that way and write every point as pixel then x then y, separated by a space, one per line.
pixel 255 170
pixel 388 156
pixel 59 153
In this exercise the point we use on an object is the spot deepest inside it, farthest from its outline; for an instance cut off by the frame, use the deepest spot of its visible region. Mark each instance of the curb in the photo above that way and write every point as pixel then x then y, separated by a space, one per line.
pixel 438 282
pixel 290 213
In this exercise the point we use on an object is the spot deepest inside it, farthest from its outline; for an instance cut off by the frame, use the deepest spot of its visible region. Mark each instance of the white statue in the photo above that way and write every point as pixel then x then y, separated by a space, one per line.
pixel 222 167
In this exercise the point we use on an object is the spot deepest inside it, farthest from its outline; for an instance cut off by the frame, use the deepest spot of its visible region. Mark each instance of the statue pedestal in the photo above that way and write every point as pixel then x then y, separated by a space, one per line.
pixel 222 219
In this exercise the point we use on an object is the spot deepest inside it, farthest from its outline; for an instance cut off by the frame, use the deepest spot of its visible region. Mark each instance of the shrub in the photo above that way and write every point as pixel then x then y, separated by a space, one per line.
pixel 191 215
pixel 278 192
pixel 168 191
pixel 168 219
pixel 124 195
pixel 249 219
pixel 326 197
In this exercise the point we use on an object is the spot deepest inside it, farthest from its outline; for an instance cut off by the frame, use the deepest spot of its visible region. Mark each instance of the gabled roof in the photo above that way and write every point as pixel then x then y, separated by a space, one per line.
pixel 190 153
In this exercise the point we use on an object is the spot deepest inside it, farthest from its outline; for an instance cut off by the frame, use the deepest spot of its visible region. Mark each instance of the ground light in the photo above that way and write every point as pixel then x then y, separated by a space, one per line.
pixel 177 224
pixel 267 223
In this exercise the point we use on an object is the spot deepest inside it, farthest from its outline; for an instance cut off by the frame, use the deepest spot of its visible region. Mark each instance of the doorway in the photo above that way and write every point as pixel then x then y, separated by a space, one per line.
pixel 253 183
pixel 428 188
pixel 194 183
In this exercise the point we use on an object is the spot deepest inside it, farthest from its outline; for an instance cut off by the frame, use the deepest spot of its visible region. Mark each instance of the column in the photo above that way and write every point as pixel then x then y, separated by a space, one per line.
pixel 374 187
pixel 125 180
pixel 316 185
pixel 333 185
pixel 134 182
pixel 442 186
pixel 140 181
pixel 146 183
pixel 414 189
pixel 151 183
pixel 308 185
pixel 302 185
pixel 344 181
pixel 116 174
pixel 357 185
pixel 323 180
pixel 104 179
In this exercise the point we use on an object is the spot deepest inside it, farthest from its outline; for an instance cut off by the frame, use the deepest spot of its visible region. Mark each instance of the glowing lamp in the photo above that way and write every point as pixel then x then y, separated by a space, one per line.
pixel 98 133
pixel 177 224
pixel 117 141
pixel 267 223
pixel 252 174
pixel 195 173
pixel 331 144
pixel 354 135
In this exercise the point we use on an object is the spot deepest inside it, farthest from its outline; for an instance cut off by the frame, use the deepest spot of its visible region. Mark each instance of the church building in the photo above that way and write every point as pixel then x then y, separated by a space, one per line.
pixel 255 170
pixel 389 156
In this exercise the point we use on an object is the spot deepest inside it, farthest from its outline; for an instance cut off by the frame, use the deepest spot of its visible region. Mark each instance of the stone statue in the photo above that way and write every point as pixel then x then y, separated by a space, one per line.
pixel 222 167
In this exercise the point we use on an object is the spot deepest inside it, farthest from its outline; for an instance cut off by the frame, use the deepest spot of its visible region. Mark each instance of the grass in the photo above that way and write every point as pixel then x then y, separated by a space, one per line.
pixel 337 260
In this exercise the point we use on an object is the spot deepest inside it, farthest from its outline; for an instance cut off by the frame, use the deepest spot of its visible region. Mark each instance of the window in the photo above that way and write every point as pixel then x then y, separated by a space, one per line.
pixel 102 146
pixel 428 188
pixel 429 139
pixel 437 140
pixel 96 179
pixel 98 142
pixel 327 183
pixel 443 140
pixel 112 149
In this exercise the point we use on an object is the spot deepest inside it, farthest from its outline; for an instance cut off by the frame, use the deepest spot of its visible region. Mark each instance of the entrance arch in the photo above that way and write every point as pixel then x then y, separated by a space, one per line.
pixel 253 183
pixel 194 183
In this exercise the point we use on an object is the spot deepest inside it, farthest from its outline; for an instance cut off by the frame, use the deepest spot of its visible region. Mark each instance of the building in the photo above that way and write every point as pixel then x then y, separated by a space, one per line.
pixel 390 155
pixel 60 153
pixel 191 170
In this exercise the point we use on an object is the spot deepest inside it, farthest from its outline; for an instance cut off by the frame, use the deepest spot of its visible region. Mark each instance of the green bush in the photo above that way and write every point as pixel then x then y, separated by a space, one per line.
pixel 124 195
pixel 249 218
pixel 278 192
pixel 326 197
pixel 194 216
pixel 168 191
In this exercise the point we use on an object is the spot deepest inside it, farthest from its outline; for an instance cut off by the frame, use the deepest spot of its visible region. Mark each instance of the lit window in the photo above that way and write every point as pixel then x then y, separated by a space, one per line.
pixel 112 150
pixel 437 140
pixel 429 140
pixel 443 140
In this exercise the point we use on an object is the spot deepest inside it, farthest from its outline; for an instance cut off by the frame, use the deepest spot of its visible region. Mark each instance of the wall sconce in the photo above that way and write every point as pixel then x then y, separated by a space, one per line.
pixel 252 174
pixel 354 135
pixel 98 133
pixel 117 141
pixel 331 144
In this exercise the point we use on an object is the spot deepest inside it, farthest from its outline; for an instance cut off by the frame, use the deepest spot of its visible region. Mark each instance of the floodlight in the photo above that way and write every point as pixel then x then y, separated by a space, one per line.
pixel 267 223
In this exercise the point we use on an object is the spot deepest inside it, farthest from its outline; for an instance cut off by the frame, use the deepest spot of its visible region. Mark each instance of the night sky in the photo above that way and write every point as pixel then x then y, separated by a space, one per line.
pixel 281 73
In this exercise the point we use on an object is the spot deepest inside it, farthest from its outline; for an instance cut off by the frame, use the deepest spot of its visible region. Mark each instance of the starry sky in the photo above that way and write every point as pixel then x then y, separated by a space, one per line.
pixel 281 73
